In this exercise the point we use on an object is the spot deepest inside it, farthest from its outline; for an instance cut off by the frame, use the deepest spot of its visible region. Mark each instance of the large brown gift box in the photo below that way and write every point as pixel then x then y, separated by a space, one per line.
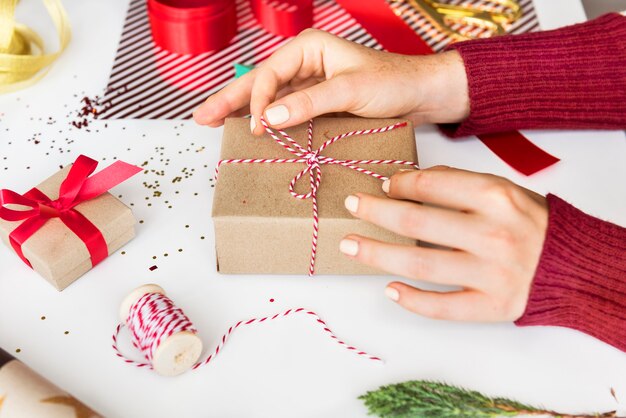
pixel 261 228
pixel 55 252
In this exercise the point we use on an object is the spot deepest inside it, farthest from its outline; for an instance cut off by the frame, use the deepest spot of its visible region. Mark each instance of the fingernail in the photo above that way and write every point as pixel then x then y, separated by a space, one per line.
pixel 349 247
pixel 277 115
pixel 352 203
pixel 392 293
pixel 252 123
pixel 386 186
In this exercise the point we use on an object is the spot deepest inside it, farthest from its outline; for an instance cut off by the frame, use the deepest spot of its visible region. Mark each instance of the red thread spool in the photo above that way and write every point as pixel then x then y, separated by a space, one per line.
pixel 178 352
pixel 284 17
pixel 192 26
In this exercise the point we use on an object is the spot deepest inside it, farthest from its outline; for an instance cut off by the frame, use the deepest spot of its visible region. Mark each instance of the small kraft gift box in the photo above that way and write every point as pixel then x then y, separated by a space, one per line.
pixel 279 199
pixel 68 223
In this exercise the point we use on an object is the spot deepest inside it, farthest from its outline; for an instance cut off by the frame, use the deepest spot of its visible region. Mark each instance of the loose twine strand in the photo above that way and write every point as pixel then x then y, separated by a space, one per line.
pixel 155 317
pixel 314 160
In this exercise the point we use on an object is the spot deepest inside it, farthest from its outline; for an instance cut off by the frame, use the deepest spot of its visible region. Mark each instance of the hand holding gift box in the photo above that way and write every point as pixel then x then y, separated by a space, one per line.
pixel 69 223
pixel 261 223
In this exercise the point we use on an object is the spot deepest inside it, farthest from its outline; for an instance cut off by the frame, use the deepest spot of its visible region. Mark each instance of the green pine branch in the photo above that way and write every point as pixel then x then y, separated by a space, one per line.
pixel 419 398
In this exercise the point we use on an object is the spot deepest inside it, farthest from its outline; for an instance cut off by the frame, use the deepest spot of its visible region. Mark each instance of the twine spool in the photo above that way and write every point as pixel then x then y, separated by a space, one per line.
pixel 167 338
pixel 178 352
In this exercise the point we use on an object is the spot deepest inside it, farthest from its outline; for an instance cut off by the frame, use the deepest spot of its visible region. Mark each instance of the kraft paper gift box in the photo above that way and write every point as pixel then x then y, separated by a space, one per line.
pixel 59 255
pixel 261 228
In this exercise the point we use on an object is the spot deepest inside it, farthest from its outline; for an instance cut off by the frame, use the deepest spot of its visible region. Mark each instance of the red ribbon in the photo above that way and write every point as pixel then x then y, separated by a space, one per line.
pixel 78 187
pixel 198 26
pixel 517 151
pixel 395 35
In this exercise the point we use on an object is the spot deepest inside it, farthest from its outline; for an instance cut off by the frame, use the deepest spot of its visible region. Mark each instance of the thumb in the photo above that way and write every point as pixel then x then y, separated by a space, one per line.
pixel 326 97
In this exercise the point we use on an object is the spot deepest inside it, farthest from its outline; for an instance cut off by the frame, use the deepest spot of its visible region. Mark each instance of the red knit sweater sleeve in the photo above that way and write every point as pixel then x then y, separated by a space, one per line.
pixel 570 78
pixel 580 281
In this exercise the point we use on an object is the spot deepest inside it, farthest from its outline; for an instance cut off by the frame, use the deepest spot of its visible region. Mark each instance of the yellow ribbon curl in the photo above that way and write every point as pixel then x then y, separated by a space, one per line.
pixel 22 56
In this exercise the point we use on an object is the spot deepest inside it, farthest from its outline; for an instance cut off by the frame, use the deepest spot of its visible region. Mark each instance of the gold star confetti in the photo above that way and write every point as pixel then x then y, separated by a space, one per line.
pixel 80 409
pixel 1 401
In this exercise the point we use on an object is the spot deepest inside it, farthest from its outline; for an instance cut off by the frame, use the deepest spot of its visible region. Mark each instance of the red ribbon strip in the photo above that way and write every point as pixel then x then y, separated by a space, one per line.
pixel 518 152
pixel 78 187
pixel 395 35
pixel 198 26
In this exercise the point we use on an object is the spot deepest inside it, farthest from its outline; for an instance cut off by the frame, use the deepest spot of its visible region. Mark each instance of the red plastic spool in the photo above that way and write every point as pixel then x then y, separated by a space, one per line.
pixel 192 26
pixel 283 17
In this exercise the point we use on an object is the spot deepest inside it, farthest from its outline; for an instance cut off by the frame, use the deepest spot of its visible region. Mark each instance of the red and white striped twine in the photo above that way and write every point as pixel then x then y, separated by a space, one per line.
pixel 154 318
pixel 314 160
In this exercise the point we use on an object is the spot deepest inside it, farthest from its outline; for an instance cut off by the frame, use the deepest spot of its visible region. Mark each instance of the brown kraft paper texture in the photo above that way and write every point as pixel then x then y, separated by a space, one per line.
pixel 261 228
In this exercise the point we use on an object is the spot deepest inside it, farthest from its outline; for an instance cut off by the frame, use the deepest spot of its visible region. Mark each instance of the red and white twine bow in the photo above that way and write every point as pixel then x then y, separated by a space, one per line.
pixel 314 160
pixel 154 318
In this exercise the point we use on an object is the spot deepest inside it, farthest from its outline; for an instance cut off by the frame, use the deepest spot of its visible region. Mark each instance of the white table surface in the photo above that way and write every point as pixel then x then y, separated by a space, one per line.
pixel 286 368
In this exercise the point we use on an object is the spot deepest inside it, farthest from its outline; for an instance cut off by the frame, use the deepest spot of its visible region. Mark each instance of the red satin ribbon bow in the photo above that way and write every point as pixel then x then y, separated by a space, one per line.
pixel 78 187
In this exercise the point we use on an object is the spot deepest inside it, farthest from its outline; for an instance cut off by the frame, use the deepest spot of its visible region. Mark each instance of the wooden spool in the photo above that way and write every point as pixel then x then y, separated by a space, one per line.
pixel 176 354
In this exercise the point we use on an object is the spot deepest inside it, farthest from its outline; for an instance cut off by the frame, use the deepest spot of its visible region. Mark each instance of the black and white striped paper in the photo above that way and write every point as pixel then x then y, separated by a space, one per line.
pixel 148 82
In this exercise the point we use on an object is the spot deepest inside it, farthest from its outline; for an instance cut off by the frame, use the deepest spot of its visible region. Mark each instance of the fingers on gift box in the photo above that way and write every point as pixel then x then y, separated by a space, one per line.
pixel 69 223
pixel 261 228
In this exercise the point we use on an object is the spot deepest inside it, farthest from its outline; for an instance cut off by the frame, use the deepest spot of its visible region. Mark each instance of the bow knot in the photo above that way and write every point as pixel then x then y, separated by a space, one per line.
pixel 312 158
pixel 51 209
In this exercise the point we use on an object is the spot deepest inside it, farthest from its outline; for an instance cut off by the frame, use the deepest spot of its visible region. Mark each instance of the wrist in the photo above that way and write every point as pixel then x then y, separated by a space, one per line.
pixel 444 83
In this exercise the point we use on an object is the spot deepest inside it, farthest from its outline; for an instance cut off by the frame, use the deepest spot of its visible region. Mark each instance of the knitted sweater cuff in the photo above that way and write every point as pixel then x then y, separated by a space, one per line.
pixel 569 78
pixel 580 281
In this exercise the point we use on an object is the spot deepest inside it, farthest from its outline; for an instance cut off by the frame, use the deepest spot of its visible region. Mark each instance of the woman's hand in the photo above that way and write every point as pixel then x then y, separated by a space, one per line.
pixel 495 230
pixel 318 73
